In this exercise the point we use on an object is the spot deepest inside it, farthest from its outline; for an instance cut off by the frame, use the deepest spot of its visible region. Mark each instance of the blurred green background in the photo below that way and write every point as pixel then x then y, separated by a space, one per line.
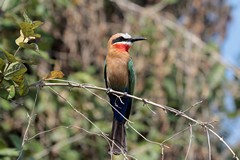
pixel 178 66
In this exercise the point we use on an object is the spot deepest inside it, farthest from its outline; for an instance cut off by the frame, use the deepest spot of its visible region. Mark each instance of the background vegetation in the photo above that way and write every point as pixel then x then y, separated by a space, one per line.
pixel 178 66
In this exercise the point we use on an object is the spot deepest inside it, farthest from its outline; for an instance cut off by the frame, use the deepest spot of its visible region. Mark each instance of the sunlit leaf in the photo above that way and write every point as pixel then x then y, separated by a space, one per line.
pixel 9 56
pixel 11 92
pixel 53 75
pixel 14 69
pixel 37 35
pixel 19 40
pixel 26 18
pixel 36 24
pixel 26 29
pixel 9 152
pixel 23 39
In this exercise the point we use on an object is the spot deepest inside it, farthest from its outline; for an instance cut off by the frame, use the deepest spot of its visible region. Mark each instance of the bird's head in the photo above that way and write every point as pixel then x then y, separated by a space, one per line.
pixel 122 41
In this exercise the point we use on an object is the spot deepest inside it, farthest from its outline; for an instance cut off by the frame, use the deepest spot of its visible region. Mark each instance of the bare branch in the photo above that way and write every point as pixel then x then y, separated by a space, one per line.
pixel 190 141
pixel 195 104
pixel 25 136
pixel 71 84
pixel 209 145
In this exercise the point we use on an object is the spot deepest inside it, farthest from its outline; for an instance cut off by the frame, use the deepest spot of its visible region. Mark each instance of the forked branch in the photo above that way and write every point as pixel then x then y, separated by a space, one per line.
pixel 71 84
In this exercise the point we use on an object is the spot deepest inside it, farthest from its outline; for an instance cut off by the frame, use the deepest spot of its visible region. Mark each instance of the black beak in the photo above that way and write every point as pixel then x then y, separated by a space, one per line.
pixel 137 39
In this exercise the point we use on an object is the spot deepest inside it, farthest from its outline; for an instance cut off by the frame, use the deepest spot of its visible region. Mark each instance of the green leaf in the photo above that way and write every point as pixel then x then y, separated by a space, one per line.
pixel 170 87
pixel 26 29
pixel 14 69
pixel 22 85
pixel 15 140
pixel 4 93
pixel 26 18
pixel 18 79
pixel 11 92
pixel 2 64
pixel 53 75
pixel 7 92
pixel 9 56
pixel 3 144
pixel 32 46
pixel 9 152
pixel 37 35
pixel 1 78
pixel 23 88
pixel 36 24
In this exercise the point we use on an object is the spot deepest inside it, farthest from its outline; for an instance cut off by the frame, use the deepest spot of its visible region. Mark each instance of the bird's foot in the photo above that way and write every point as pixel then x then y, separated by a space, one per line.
pixel 108 90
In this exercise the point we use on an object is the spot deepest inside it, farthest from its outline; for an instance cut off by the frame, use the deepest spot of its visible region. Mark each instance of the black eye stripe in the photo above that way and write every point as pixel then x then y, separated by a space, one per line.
pixel 119 39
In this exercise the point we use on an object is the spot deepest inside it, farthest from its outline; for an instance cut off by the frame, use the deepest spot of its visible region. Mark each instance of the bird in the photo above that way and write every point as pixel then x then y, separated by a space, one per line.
pixel 119 75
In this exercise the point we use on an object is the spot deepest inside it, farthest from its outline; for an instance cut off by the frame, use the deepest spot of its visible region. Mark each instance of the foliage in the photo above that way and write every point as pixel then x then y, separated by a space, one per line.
pixel 12 71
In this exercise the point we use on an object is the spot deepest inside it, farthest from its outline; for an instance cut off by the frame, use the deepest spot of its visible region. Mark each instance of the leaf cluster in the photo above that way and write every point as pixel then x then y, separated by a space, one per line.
pixel 12 70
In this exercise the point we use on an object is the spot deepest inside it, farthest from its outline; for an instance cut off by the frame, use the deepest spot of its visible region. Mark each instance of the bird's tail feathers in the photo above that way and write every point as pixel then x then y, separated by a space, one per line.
pixel 118 137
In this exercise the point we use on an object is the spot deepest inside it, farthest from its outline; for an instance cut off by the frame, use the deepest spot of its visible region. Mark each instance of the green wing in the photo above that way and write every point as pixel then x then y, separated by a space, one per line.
pixel 105 73
pixel 131 76
pixel 131 85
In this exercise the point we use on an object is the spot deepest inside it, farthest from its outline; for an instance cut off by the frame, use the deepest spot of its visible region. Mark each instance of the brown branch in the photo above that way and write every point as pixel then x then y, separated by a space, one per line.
pixel 209 145
pixel 71 84
pixel 75 109
pixel 25 136
pixel 190 141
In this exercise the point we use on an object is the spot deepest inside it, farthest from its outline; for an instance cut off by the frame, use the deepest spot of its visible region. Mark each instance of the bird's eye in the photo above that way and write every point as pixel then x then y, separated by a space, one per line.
pixel 119 39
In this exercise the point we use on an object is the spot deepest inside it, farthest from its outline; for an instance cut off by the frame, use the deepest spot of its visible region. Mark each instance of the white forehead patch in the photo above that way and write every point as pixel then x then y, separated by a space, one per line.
pixel 126 35
pixel 127 43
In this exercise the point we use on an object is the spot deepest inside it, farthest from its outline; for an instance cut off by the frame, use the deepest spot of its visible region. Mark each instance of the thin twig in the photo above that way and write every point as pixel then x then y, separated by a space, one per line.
pixel 195 104
pixel 64 142
pixel 176 134
pixel 209 145
pixel 25 138
pixel 102 133
pixel 109 104
pixel 17 50
pixel 190 141
pixel 162 153
pixel 224 142
pixel 128 122
pixel 165 108
pixel 153 142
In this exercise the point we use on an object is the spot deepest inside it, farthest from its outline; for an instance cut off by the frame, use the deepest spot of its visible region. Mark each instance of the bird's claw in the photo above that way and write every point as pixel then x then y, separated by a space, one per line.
pixel 108 90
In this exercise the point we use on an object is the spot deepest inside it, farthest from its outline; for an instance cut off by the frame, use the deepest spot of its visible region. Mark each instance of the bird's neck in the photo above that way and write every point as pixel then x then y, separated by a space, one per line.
pixel 121 47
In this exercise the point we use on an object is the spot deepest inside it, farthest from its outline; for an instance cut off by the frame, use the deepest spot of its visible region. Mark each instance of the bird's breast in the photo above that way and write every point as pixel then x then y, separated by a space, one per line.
pixel 117 72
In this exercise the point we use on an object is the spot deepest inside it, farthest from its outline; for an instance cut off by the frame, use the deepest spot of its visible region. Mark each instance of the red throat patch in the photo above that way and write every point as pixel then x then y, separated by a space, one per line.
pixel 122 47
